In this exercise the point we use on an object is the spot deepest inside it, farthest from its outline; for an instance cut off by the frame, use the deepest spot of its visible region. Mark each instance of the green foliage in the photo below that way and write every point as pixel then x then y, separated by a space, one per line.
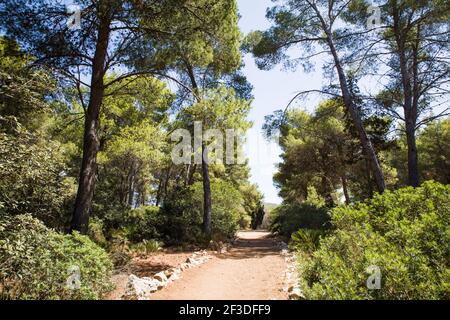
pixel 147 246
pixel 119 248
pixel 133 123
pixel 123 231
pixel 226 206
pixel 405 233
pixel 220 108
pixel 96 232
pixel 23 91
pixel 288 218
pixel 253 206
pixel 245 221
pixel 32 172
pixel 322 157
pixel 143 224
pixel 36 262
pixel 306 240
pixel 185 212
pixel 433 144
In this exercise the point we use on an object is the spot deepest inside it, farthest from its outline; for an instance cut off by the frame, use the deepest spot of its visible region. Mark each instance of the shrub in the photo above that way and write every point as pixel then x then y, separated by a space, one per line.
pixel 119 248
pixel 33 178
pixel 39 263
pixel 96 232
pixel 147 246
pixel 184 213
pixel 306 240
pixel 124 224
pixel 245 221
pixel 288 218
pixel 142 224
pixel 405 233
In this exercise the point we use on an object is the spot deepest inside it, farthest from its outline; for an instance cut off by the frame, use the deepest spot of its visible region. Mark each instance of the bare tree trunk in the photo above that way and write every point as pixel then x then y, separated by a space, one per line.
pixel 186 176
pixel 83 202
pixel 327 192
pixel 413 157
pixel 205 169
pixel 410 93
pixel 206 192
pixel 158 193
pixel 131 184
pixel 345 188
pixel 367 146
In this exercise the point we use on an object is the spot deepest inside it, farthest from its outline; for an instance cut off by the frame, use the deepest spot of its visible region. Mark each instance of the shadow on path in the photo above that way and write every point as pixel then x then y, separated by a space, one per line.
pixel 252 244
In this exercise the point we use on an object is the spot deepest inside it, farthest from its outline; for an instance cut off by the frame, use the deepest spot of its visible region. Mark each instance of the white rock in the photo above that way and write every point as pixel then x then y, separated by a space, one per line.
pixel 176 271
pixel 171 271
pixel 140 288
pixel 168 272
pixel 190 260
pixel 174 277
pixel 193 262
pixel 161 277
pixel 184 266
pixel 205 259
pixel 295 294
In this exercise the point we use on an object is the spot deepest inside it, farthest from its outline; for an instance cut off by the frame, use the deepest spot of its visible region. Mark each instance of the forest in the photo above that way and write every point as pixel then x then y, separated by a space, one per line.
pixel 114 115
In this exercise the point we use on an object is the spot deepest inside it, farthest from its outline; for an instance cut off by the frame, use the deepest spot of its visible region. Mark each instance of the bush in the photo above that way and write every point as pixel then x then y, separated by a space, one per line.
pixel 39 263
pixel 119 248
pixel 288 218
pixel 306 240
pixel 405 233
pixel 142 224
pixel 184 213
pixel 147 246
pixel 33 178
pixel 245 221
pixel 96 232
pixel 133 225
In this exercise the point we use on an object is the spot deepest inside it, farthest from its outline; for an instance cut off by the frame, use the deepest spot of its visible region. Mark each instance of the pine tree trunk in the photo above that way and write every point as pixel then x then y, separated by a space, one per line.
pixel 205 169
pixel 326 192
pixel 345 188
pixel 366 144
pixel 131 185
pixel 410 97
pixel 413 157
pixel 83 202
pixel 206 192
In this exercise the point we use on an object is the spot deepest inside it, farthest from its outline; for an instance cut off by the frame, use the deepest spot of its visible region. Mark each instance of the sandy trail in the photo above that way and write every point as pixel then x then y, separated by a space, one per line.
pixel 252 270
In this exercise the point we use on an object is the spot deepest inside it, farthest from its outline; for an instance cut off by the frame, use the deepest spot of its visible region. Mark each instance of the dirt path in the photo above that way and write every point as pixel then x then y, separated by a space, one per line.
pixel 252 270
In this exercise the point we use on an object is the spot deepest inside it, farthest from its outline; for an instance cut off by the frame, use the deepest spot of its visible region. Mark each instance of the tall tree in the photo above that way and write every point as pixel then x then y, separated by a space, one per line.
pixel 218 109
pixel 316 153
pixel 114 36
pixel 312 25
pixel 322 153
pixel 205 63
pixel 132 137
pixel 416 39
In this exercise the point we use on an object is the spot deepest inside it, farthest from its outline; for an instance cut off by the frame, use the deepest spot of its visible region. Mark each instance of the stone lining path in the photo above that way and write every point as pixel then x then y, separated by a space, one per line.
pixel 253 269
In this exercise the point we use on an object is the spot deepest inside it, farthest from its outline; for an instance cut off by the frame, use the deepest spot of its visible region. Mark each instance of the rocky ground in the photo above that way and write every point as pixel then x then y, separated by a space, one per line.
pixel 145 267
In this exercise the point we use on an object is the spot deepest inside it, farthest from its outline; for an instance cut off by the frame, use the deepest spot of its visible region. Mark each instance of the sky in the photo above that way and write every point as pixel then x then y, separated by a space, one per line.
pixel 272 91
